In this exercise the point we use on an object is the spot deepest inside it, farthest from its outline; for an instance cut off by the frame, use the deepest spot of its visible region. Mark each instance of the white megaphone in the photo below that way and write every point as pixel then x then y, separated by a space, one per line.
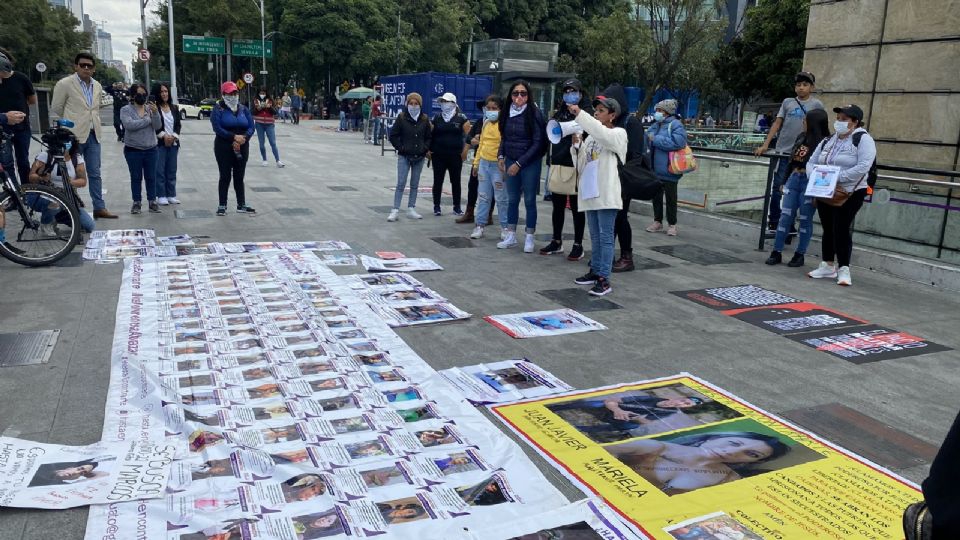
pixel 558 130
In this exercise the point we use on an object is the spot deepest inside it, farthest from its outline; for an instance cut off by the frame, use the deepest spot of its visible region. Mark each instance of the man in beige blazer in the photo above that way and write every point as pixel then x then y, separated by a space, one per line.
pixel 77 98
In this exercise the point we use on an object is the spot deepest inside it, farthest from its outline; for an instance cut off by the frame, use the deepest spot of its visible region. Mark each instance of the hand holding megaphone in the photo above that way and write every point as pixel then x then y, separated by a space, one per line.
pixel 574 109
pixel 558 130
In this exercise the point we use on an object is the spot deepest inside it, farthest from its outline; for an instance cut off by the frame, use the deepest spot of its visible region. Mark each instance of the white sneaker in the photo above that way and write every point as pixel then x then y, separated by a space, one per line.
pixel 509 241
pixel 503 234
pixel 825 270
pixel 162 201
pixel 173 200
pixel 281 164
pixel 477 233
pixel 393 215
pixel 265 163
pixel 412 214
pixel 49 230
pixel 843 276
pixel 528 244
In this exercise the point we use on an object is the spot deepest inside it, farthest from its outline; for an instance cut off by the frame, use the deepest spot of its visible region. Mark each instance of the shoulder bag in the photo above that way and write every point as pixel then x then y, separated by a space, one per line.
pixel 562 179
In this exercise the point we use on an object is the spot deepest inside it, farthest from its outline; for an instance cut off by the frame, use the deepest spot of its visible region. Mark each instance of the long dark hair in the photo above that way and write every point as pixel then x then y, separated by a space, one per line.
pixel 818 128
pixel 508 101
pixel 778 448
pixel 157 88
pixel 132 91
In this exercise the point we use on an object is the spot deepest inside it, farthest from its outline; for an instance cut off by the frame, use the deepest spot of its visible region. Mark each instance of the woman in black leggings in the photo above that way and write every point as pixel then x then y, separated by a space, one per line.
pixel 233 125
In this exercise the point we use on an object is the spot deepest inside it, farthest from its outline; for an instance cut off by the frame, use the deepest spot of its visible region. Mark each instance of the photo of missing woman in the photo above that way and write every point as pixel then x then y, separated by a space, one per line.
pixel 66 473
pixel 337 403
pixel 212 469
pixel 456 463
pixel 385 476
pixel 280 434
pixel 319 525
pixel 486 493
pixel 575 531
pixel 717 526
pixel 350 425
pixel 326 384
pixel 366 449
pixel 402 510
pixel 636 413
pixel 710 456
pixel 315 368
pixel 303 487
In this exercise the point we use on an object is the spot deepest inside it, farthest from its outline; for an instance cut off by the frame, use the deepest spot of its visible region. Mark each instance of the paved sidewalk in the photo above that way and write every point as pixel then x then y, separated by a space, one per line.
pixel 334 187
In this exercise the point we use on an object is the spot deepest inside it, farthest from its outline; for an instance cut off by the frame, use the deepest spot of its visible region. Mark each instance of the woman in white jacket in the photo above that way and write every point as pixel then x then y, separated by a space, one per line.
pixel 596 156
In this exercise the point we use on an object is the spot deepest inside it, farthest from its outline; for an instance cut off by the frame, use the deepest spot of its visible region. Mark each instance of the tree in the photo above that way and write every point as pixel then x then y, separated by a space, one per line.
pixel 107 75
pixel 34 31
pixel 763 60
pixel 614 49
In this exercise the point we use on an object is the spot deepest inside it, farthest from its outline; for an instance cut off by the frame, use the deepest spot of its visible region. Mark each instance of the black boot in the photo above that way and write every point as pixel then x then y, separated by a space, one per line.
pixel 796 261
pixel 625 263
pixel 774 258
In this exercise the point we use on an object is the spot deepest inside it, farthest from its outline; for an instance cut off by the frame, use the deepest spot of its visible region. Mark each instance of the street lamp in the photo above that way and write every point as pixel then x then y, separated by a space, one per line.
pixel 263 36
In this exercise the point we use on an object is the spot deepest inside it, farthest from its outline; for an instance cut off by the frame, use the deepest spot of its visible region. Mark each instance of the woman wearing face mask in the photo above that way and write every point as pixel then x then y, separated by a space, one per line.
pixel 597 155
pixel 666 135
pixel 815 130
pixel 263 109
pixel 562 166
pixel 233 125
pixel 853 150
pixel 168 146
pixel 491 187
pixel 446 149
pixel 410 136
pixel 141 120
pixel 522 144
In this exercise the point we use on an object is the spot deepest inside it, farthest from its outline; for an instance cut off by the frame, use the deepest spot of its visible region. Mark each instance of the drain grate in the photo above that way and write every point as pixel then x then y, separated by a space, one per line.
pixel 265 189
pixel 27 348
pixel 453 242
pixel 192 214
pixel 696 254
pixel 284 211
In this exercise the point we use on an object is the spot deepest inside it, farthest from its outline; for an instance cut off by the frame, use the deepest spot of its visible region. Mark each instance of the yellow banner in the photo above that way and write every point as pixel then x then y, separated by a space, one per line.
pixel 681 459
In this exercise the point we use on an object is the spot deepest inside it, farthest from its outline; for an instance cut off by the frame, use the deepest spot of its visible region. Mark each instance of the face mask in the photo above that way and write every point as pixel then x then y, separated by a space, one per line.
pixel 231 101
pixel 448 108
pixel 414 111
pixel 140 99
pixel 571 98
pixel 67 146
pixel 658 116
pixel 263 96
pixel 491 116
pixel 841 127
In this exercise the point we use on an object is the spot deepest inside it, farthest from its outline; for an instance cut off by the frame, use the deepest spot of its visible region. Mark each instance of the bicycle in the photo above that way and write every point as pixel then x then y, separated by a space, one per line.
pixel 42 222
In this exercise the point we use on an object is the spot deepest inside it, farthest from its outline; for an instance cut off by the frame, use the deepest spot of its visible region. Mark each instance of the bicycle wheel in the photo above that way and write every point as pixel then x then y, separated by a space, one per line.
pixel 42 226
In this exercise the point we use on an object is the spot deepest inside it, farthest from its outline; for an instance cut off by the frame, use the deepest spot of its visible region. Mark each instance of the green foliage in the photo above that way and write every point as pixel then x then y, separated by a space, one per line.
pixel 763 60
pixel 614 49
pixel 108 75
pixel 33 31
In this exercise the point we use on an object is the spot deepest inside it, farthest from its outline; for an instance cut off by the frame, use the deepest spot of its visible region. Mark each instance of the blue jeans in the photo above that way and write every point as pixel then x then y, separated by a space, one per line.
pixel 413 167
pixel 271 131
pixel 91 158
pixel 601 227
pixel 491 188
pixel 377 129
pixel 779 178
pixel 16 160
pixel 143 167
pixel 166 171
pixel 343 121
pixel 793 200
pixel 47 215
pixel 527 180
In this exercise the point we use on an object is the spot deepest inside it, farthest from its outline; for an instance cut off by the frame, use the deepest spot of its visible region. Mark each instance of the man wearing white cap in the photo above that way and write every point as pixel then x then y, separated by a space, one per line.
pixel 446 149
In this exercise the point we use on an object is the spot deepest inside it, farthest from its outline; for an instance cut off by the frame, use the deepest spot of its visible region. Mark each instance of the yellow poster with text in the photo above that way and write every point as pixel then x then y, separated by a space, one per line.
pixel 679 458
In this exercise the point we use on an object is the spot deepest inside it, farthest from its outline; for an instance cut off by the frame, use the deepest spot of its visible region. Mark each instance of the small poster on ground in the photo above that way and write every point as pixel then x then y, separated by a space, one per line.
pixel 738 296
pixel 37 475
pixel 331 259
pixel 372 264
pixel 867 343
pixel 794 318
pixel 390 255
pixel 716 526
pixel 413 315
pixel 544 323
pixel 505 381
pixel 588 519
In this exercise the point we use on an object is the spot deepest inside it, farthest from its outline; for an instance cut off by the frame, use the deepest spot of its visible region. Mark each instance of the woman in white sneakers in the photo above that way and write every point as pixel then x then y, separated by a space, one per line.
pixel 851 149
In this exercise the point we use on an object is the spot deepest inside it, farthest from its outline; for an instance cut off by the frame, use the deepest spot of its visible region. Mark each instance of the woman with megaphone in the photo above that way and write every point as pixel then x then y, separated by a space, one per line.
pixel 562 176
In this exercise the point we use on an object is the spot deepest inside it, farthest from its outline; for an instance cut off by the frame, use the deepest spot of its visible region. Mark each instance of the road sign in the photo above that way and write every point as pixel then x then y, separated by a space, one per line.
pixel 250 47
pixel 204 45
pixel 41 67
pixel 248 78
pixel 143 55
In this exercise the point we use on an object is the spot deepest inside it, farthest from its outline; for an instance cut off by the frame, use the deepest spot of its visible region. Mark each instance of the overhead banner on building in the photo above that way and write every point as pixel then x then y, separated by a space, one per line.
pixel 680 450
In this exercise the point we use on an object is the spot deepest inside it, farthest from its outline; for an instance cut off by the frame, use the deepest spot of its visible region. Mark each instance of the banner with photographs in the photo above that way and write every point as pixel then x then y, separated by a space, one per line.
pixel 826 330
pixel 401 300
pixel 300 412
pixel 505 381
pixel 664 451
pixel 373 264
pixel 583 520
pixel 258 247
pixel 544 323
pixel 114 245
pixel 37 475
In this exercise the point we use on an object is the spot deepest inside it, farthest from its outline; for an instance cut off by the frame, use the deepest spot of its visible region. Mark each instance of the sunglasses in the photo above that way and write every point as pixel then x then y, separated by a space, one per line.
pixel 519 93
pixel 85 66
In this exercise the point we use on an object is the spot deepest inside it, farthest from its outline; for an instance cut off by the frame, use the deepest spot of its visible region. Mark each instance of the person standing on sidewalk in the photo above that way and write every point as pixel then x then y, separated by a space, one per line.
pixel 141 121
pixel 446 150
pixel 16 96
pixel 666 135
pixel 410 137
pixel 376 112
pixel 263 109
pixel 168 146
pixel 522 145
pixel 296 103
pixel 562 169
pixel 119 94
pixel 598 153
pixel 789 126
pixel 491 186
pixel 472 140
pixel 853 150
pixel 78 98
pixel 285 104
pixel 233 125
pixel 636 148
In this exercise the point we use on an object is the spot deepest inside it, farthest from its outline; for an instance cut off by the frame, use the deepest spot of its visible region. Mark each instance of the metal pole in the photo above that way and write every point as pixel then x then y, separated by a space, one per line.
pixel 470 50
pixel 229 66
pixel 143 30
pixel 263 40
pixel 771 170
pixel 398 38
pixel 173 60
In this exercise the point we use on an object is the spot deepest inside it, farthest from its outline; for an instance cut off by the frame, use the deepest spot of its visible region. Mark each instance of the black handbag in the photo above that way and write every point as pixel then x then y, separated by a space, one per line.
pixel 637 179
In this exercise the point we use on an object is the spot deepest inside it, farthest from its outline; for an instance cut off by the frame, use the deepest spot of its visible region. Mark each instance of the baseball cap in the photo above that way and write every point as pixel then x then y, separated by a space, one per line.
pixel 608 102
pixel 228 87
pixel 850 110
pixel 449 97
pixel 805 76
pixel 5 65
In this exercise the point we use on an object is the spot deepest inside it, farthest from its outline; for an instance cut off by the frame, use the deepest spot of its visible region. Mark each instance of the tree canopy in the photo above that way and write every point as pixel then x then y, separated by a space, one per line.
pixel 34 31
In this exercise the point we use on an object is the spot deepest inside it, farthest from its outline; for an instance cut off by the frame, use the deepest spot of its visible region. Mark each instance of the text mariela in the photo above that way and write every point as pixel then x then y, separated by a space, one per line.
pixel 143 473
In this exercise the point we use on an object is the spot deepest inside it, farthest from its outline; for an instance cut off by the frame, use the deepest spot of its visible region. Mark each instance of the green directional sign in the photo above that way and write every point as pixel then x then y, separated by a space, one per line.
pixel 204 45
pixel 250 47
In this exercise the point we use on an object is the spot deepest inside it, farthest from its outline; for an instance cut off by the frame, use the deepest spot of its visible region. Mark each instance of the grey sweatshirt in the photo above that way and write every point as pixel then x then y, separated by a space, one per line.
pixel 854 161
pixel 139 132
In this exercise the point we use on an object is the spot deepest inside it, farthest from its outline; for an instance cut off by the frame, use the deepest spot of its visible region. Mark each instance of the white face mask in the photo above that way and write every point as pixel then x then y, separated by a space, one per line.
pixel 263 96
pixel 232 102
pixel 841 127
pixel 448 108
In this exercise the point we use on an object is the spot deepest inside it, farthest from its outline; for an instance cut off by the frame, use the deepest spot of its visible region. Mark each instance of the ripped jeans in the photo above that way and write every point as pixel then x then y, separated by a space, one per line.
pixel 792 201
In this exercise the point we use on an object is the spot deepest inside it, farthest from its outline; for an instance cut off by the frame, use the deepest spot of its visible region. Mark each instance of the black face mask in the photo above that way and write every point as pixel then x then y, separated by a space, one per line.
pixel 140 99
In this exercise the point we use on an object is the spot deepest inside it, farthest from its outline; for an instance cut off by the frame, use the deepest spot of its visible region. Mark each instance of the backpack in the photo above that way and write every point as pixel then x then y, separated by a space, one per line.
pixel 872 173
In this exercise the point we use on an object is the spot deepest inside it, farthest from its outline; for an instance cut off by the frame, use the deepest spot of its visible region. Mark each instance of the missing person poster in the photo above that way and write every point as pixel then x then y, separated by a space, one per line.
pixel 372 264
pixel 554 322
pixel 505 381
pixel 667 451
pixel 37 475
pixel 588 519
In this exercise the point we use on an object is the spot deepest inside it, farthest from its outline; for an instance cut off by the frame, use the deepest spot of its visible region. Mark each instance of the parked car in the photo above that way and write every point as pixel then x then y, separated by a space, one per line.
pixel 206 107
pixel 188 109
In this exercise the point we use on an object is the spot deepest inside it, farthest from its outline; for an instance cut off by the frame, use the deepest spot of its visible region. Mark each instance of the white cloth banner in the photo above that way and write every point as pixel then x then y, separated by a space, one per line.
pixel 544 323
pixel 505 381
pixel 372 264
